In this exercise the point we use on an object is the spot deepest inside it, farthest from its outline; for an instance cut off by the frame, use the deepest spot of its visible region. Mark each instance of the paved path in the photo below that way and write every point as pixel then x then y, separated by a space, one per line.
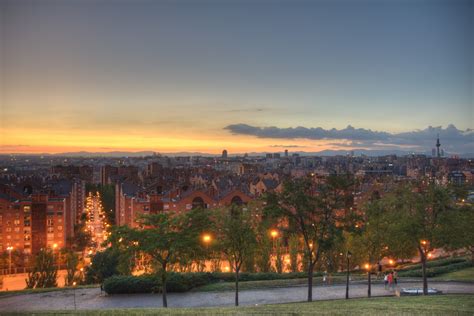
pixel 91 298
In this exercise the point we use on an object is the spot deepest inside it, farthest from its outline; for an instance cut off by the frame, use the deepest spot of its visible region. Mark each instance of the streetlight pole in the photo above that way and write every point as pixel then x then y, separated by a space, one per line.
pixel 9 248
pixel 348 256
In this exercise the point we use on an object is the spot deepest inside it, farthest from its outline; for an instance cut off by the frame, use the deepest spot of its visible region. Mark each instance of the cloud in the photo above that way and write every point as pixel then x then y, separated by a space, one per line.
pixel 452 139
pixel 288 146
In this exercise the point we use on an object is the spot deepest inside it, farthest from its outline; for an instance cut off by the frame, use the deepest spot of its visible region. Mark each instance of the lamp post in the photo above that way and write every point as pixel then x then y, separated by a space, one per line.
pixel 369 292
pixel 348 257
pixel 55 246
pixel 74 287
pixel 10 248
pixel 206 238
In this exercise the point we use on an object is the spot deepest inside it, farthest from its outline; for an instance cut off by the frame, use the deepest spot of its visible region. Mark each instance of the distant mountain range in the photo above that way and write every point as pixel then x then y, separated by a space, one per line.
pixel 356 152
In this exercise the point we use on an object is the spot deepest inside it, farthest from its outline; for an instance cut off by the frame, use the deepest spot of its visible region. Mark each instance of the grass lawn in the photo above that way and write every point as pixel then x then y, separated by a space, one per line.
pixel 431 305
pixel 460 275
pixel 43 290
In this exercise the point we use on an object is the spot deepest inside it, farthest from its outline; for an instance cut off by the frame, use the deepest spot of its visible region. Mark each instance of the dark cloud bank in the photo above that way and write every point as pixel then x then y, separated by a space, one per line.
pixel 452 139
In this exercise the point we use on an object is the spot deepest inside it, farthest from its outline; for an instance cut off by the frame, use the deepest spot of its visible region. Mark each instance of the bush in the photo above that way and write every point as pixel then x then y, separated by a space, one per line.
pixel 182 282
pixel 120 284
pixel 436 270
pixel 434 263
pixel 177 282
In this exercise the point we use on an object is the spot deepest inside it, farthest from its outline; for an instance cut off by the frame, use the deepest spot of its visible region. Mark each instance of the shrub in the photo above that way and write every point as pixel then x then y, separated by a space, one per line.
pixel 182 282
pixel 433 263
pixel 120 284
pixel 436 270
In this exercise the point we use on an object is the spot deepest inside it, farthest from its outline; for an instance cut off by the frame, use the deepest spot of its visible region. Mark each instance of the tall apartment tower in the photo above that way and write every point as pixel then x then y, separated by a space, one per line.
pixel 438 145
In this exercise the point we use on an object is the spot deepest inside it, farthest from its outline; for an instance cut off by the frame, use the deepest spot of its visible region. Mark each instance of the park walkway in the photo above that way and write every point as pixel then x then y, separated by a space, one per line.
pixel 92 299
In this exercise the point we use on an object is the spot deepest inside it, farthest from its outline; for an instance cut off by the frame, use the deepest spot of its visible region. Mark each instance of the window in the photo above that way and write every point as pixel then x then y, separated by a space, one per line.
pixel 60 227
pixel 8 229
pixel 50 222
pixel 50 229
pixel 27 238
pixel 27 209
pixel 60 220
pixel 50 236
pixel 59 213
pixel 17 229
pixel 27 223
pixel 16 222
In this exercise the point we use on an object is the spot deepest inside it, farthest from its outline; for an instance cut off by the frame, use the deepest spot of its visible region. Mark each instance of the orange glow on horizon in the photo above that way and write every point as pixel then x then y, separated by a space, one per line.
pixel 36 141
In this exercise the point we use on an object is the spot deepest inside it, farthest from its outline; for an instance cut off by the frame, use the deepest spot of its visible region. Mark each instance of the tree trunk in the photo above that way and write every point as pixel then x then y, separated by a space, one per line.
pixel 423 271
pixel 163 284
pixel 237 287
pixel 310 281
pixel 369 286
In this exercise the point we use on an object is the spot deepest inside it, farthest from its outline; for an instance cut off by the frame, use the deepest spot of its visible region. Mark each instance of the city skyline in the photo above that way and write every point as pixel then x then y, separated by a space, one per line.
pixel 264 76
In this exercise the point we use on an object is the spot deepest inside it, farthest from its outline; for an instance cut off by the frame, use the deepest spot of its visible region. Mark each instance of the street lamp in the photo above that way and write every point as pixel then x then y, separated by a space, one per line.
pixel 206 239
pixel 54 252
pixel 369 286
pixel 348 257
pixel 10 248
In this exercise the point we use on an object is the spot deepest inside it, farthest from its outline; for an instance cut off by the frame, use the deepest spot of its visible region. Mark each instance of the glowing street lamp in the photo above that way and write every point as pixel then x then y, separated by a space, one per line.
pixel 390 262
pixel 274 233
pixel 206 238
pixel 369 283
pixel 10 248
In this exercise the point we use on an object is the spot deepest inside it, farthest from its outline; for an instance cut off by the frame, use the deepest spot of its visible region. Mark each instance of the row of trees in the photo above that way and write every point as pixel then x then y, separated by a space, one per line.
pixel 320 224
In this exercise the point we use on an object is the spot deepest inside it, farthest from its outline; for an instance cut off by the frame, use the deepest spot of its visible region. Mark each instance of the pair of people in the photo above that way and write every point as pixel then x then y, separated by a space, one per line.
pixel 390 280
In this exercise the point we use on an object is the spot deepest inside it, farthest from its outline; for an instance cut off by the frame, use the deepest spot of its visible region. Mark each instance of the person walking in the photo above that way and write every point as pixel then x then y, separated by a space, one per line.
pixel 390 280
pixel 395 278
pixel 385 280
pixel 379 270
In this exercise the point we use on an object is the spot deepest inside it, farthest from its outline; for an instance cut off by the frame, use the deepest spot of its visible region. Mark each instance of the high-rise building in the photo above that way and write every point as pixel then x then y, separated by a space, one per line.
pixel 224 154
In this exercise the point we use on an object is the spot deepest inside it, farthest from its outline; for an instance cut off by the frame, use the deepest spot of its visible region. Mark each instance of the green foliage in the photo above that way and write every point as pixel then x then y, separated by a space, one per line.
pixel 72 261
pixel 82 237
pixel 45 271
pixel 182 282
pixel 293 245
pixel 436 270
pixel 104 265
pixel 433 263
pixel 168 239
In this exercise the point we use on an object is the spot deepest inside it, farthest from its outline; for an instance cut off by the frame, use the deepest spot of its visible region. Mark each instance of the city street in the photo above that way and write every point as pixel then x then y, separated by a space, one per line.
pixel 92 298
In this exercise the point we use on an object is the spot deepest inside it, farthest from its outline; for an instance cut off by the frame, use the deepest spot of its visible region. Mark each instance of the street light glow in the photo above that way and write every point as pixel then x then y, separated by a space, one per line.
pixel 367 266
pixel 206 238
pixel 274 233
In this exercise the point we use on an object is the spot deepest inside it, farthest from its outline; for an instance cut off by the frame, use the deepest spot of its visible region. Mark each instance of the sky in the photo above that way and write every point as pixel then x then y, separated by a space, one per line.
pixel 247 76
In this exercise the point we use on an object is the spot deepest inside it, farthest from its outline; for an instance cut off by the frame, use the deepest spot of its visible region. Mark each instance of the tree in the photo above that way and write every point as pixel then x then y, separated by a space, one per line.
pixel 104 264
pixel 82 237
pixel 72 261
pixel 417 220
pixel 44 272
pixel 293 245
pixel 167 238
pixel 236 239
pixel 319 217
pixel 371 240
pixel 457 231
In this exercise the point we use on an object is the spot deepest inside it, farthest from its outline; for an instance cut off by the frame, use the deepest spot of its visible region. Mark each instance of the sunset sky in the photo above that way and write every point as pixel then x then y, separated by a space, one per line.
pixel 248 76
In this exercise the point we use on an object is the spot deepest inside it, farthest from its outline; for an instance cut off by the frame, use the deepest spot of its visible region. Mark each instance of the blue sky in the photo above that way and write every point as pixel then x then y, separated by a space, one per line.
pixel 177 75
